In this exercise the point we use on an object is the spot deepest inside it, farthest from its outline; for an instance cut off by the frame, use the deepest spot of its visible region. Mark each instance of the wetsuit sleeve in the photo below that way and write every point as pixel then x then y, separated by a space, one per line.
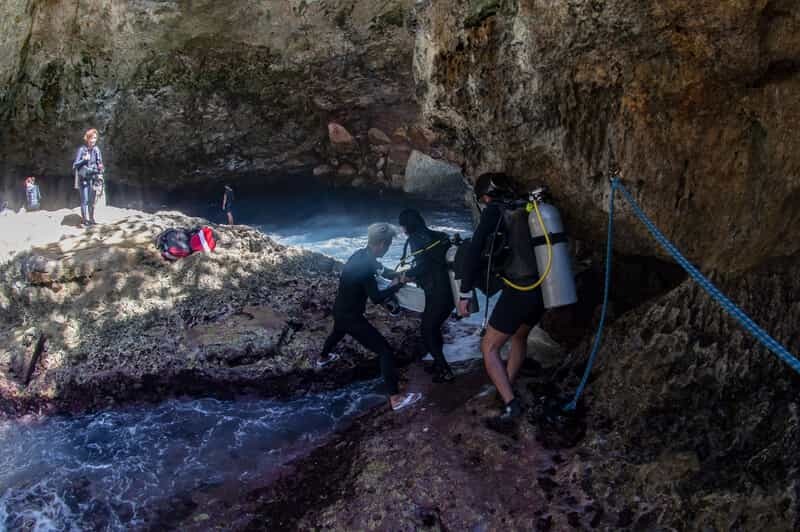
pixel 378 296
pixel 486 228
pixel 79 161
pixel 99 157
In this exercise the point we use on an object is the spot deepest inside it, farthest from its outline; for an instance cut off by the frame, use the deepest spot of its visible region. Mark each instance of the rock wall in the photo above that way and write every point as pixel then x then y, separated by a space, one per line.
pixel 196 91
pixel 695 102
pixel 703 419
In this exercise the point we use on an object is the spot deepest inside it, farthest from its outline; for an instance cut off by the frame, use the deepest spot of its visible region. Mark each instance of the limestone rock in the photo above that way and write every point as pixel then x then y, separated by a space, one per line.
pixel 124 323
pixel 683 100
pixel 322 169
pixel 376 136
pixel 346 169
pixel 339 136
pixel 425 175
pixel 176 88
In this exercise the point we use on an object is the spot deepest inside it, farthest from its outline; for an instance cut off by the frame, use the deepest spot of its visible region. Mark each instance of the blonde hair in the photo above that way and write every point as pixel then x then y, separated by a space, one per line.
pixel 380 233
pixel 89 133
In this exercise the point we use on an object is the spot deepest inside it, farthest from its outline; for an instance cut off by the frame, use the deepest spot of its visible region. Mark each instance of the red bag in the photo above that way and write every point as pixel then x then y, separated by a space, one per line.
pixel 202 239
pixel 174 244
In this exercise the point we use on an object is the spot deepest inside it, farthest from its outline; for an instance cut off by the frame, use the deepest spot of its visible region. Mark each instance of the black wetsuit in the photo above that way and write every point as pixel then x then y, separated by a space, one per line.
pixel 356 283
pixel 229 197
pixel 515 307
pixel 430 272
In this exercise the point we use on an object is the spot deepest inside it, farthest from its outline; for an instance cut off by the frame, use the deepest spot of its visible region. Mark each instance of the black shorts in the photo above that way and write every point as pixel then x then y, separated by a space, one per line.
pixel 516 308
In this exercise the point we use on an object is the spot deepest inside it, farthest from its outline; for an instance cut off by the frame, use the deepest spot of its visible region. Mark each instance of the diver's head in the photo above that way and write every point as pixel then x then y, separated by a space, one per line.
pixel 491 186
pixel 411 221
pixel 379 238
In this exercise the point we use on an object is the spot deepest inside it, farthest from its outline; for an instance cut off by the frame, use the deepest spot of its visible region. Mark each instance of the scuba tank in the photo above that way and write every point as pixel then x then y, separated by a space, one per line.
pixel 552 253
pixel 453 258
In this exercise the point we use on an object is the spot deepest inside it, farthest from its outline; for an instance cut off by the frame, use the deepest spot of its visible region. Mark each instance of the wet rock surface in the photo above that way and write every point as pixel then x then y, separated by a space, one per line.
pixel 433 467
pixel 124 324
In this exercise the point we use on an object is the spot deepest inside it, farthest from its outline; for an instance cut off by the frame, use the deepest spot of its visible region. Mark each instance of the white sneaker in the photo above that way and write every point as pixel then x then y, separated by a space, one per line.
pixel 408 400
pixel 320 363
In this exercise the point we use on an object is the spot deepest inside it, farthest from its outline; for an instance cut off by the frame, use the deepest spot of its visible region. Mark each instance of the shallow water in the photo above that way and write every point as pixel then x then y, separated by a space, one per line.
pixel 113 470
pixel 334 221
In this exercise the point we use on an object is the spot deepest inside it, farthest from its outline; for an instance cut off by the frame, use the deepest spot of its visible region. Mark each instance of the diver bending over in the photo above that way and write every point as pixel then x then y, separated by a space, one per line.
pixel 516 312
pixel 429 249
pixel 356 283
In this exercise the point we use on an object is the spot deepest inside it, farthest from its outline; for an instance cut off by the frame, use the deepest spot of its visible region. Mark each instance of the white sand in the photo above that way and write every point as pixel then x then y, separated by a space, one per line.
pixel 21 231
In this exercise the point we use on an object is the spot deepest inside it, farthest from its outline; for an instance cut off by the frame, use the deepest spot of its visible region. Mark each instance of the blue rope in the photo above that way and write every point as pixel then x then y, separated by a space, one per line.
pixel 729 306
pixel 599 336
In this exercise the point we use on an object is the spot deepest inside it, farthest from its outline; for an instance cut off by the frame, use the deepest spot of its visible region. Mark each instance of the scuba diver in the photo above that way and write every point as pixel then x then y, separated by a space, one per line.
pixel 516 311
pixel 356 283
pixel 429 271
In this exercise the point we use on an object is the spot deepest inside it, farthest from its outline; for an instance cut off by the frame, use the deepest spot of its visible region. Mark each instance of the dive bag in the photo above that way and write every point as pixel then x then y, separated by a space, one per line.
pixel 174 244
pixel 202 239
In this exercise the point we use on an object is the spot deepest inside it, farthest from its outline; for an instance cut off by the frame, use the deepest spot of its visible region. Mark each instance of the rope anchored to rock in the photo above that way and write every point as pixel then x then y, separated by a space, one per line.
pixel 729 306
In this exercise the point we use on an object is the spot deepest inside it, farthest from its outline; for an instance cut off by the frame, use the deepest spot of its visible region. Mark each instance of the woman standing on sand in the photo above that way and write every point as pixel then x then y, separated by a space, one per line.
pixel 32 194
pixel 88 166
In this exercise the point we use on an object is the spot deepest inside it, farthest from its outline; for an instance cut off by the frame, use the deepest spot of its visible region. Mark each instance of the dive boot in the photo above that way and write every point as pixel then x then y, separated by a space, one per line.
pixel 506 422
pixel 443 375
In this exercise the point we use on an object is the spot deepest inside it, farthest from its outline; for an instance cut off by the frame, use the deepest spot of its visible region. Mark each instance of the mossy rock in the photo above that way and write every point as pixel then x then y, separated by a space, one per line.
pixel 480 10
pixel 393 17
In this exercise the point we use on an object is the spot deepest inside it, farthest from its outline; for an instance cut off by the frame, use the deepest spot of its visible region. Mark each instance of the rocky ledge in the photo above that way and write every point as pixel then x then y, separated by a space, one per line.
pixel 121 324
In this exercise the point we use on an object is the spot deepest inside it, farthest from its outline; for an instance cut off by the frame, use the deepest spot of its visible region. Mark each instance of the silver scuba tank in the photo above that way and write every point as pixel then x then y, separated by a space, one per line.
pixel 558 288
pixel 455 284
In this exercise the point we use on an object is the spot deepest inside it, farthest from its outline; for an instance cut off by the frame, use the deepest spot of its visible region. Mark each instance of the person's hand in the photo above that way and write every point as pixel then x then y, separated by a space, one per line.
pixel 463 308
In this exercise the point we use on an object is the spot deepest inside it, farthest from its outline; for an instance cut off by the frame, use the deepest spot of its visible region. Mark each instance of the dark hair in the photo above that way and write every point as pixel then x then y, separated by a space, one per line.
pixel 412 221
pixel 493 184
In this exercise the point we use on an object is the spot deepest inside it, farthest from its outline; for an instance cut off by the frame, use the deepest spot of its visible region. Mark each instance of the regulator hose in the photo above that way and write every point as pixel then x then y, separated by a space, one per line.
pixel 405 260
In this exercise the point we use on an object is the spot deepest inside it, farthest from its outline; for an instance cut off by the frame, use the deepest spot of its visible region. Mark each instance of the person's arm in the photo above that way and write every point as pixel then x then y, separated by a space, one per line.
pixel 486 228
pixel 79 158
pixel 99 159
pixel 371 284
pixel 379 296
pixel 224 200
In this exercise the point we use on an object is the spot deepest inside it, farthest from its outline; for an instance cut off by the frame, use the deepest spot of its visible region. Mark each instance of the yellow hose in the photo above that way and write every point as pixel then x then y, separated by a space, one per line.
pixel 405 260
pixel 549 257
